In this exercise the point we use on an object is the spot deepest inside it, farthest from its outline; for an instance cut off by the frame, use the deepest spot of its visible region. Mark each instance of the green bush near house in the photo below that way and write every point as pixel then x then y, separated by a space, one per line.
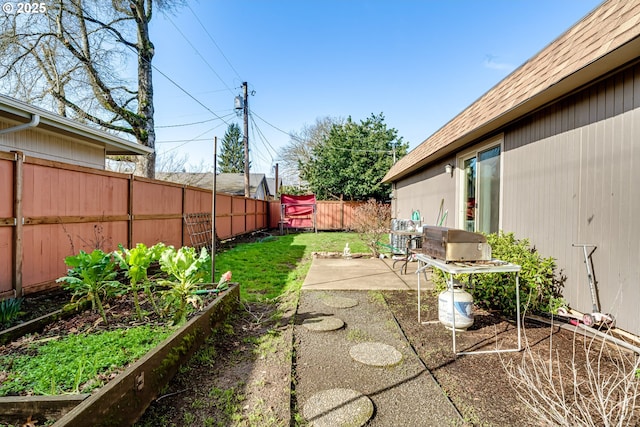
pixel 540 287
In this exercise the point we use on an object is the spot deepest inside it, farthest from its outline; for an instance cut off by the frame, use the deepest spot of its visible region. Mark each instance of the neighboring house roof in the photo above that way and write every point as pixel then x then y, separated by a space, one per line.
pixel 202 180
pixel 231 183
pixel 42 119
pixel 601 42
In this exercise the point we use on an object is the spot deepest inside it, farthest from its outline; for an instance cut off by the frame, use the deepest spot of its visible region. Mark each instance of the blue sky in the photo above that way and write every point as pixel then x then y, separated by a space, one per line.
pixel 418 62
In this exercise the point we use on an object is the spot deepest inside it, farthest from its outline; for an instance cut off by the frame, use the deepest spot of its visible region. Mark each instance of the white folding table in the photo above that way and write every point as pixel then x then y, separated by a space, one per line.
pixel 453 268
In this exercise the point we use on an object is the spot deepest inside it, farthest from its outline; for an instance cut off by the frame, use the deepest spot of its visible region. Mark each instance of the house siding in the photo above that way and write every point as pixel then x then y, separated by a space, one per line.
pixel 568 176
pixel 425 191
pixel 47 145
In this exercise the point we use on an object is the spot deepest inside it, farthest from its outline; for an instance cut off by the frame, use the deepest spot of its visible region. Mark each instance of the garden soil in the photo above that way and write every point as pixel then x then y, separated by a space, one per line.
pixel 263 365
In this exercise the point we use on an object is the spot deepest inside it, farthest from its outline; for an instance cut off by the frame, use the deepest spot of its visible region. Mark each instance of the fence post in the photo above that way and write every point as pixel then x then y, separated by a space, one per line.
pixel 130 213
pixel 18 229
pixel 341 213
pixel 184 211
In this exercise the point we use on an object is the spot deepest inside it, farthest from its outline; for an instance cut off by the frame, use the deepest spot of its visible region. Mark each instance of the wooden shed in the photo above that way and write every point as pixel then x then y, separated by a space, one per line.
pixel 549 153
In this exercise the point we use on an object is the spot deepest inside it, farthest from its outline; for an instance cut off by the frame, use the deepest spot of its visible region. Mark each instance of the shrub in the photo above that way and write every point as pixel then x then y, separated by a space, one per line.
pixel 371 221
pixel 546 385
pixel 540 289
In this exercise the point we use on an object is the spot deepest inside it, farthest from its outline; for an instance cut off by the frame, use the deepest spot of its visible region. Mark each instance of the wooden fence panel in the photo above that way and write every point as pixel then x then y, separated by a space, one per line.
pixel 330 215
pixel 157 213
pixel 274 213
pixel 223 215
pixel 6 189
pixel 156 198
pixel 6 222
pixel 50 193
pixel 152 231
pixel 68 208
pixel 6 260
pixel 195 201
pixel 238 215
pixel 47 245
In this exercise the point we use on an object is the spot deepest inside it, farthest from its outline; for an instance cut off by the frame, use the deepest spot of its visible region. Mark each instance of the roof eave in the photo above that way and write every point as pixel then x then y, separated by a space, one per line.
pixel 584 76
pixel 50 121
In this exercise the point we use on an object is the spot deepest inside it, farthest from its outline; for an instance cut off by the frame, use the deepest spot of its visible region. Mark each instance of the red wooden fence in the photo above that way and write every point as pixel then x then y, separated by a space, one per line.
pixel 50 210
pixel 330 215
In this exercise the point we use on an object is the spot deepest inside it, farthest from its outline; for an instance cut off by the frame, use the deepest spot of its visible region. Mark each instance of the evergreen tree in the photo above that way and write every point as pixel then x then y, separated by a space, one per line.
pixel 352 160
pixel 231 156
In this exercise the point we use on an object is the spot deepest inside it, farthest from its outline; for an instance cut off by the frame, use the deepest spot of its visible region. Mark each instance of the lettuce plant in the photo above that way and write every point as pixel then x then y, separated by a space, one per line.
pixel 91 277
pixel 135 263
pixel 186 270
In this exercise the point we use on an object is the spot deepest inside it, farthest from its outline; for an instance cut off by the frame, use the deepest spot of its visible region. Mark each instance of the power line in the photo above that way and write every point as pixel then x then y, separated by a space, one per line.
pixel 278 129
pixel 195 138
pixel 189 124
pixel 214 42
pixel 199 54
pixel 262 155
pixel 263 137
pixel 294 137
pixel 173 82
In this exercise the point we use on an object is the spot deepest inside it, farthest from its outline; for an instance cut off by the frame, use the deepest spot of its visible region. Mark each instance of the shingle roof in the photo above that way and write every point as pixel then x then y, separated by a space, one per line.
pixel 113 145
pixel 602 41
pixel 231 183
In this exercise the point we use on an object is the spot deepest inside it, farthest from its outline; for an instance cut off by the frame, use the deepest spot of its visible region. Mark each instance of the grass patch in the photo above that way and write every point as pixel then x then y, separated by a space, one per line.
pixel 271 268
pixel 377 297
pixel 357 335
pixel 76 363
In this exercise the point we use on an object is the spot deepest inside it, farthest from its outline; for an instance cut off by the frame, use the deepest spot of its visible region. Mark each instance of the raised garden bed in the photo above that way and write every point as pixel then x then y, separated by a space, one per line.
pixel 125 398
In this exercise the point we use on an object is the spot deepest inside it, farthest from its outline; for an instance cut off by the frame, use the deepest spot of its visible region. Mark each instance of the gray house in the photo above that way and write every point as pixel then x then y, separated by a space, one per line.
pixel 550 153
pixel 40 133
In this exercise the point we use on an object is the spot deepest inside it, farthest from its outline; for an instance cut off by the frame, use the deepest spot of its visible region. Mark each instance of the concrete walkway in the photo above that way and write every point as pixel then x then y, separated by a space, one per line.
pixel 359 274
pixel 402 393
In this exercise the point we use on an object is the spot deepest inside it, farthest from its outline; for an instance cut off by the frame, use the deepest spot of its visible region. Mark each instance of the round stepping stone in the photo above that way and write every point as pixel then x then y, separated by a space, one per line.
pixel 338 407
pixel 340 302
pixel 375 354
pixel 323 324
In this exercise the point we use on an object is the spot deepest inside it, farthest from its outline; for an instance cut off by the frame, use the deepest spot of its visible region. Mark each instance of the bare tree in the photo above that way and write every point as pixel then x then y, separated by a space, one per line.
pixel 299 149
pixel 73 59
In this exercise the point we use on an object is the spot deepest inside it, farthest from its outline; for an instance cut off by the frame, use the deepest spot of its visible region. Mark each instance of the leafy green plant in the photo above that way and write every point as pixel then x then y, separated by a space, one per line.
pixel 91 277
pixel 76 363
pixel 186 271
pixel 135 263
pixel 540 289
pixel 9 310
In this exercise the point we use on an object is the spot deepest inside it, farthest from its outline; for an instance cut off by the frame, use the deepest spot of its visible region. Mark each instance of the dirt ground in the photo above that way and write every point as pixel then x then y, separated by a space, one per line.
pixel 256 385
pixel 243 375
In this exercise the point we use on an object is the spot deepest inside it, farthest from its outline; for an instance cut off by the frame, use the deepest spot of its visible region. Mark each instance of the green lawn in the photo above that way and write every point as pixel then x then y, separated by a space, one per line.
pixel 279 264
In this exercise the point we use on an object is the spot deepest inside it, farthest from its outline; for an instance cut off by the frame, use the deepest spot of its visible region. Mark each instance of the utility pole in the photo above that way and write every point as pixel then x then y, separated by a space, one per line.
pixel 245 111
pixel 213 211
pixel 277 187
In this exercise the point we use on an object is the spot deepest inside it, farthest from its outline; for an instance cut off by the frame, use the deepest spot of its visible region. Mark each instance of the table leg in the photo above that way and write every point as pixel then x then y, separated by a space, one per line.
pixel 453 314
pixel 518 310
pixel 419 321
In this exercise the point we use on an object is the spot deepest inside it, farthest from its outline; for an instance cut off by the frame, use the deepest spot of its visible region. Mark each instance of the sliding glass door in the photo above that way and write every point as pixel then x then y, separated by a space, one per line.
pixel 480 190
